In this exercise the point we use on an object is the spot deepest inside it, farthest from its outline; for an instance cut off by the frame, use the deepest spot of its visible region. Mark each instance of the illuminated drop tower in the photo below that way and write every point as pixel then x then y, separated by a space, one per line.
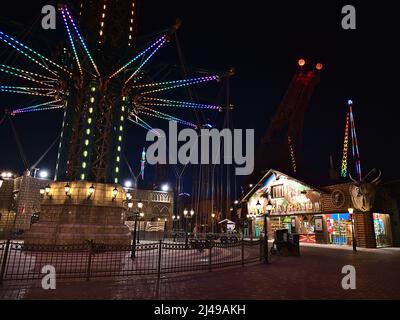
pixel 96 110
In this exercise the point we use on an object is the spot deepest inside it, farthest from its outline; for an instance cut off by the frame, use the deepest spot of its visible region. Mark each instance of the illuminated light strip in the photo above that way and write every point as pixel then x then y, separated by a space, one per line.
pixel 24 77
pixel 146 60
pixel 144 124
pixel 28 56
pixel 102 22
pixel 35 52
pixel 51 107
pixel 38 105
pixel 355 150
pixel 71 41
pixel 25 92
pixel 174 103
pixel 82 41
pixel 165 116
pixel 26 88
pixel 27 72
pixel 292 155
pixel 130 36
pixel 167 83
pixel 178 86
pixel 137 57
pixel 345 148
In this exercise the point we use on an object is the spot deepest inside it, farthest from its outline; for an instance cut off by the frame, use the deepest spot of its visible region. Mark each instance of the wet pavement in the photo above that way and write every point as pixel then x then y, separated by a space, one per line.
pixel 314 275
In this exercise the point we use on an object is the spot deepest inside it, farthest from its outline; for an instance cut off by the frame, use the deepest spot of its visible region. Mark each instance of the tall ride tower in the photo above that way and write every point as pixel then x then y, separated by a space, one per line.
pixel 96 108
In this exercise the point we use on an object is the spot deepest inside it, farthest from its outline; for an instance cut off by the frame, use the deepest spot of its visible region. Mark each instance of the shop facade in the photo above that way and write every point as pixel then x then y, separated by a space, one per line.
pixel 318 215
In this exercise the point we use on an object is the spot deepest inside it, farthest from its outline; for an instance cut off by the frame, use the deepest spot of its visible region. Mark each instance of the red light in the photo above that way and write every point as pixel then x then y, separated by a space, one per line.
pixel 319 66
pixel 302 62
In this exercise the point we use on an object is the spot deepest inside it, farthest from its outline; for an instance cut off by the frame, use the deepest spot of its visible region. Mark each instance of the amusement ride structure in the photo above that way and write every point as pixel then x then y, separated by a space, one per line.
pixel 102 80
pixel 97 96
pixel 284 134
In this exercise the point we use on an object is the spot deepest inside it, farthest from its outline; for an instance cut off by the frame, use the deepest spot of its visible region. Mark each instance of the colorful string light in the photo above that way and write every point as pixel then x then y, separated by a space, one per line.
pixel 146 60
pixel 194 82
pixel 36 106
pixel 165 116
pixel 137 57
pixel 33 51
pixel 71 41
pixel 355 150
pixel 22 74
pixel 51 107
pixel 28 56
pixel 180 104
pixel 131 25
pixel 82 41
pixel 292 155
pixel 345 148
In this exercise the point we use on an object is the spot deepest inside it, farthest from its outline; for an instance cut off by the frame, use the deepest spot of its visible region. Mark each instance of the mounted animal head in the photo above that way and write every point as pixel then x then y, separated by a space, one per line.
pixel 363 192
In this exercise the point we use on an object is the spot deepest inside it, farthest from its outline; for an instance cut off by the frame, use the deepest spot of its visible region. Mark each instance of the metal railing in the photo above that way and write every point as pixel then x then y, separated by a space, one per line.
pixel 92 260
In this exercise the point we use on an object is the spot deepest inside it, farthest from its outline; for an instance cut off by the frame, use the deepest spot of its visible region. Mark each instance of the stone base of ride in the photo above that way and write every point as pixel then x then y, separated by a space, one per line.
pixel 77 217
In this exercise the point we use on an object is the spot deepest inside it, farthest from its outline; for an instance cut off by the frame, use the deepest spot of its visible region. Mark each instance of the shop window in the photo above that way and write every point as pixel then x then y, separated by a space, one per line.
pixel 382 230
pixel 277 191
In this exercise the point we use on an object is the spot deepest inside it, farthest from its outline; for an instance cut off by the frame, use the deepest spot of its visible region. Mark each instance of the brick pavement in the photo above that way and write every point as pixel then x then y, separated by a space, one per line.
pixel 314 275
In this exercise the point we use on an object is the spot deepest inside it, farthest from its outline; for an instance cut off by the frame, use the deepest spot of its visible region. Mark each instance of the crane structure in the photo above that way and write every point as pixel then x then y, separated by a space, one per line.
pixel 281 145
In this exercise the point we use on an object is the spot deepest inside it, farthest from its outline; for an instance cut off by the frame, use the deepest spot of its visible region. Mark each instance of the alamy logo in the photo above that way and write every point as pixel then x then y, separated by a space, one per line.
pixel 349 280
pixel 49 280
pixel 49 20
pixel 226 147
pixel 349 20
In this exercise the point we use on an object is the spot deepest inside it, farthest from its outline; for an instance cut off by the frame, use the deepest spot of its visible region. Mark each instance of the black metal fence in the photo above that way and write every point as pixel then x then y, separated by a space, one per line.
pixel 90 260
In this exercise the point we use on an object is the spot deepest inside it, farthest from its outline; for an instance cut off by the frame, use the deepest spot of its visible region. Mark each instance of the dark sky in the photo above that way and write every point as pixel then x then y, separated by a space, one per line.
pixel 263 40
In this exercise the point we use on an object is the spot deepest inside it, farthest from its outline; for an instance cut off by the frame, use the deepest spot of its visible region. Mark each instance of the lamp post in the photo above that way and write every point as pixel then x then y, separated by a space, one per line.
pixel 351 211
pixel 191 219
pixel 165 227
pixel 141 215
pixel 269 208
pixel 250 218
pixel 140 206
pixel 212 222
pixel 185 215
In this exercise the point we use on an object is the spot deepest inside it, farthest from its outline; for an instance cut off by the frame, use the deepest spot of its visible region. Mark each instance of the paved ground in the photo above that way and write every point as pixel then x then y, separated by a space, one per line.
pixel 314 275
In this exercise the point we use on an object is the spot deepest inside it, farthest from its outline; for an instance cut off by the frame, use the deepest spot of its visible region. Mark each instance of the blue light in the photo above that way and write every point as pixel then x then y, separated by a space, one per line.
pixel 350 102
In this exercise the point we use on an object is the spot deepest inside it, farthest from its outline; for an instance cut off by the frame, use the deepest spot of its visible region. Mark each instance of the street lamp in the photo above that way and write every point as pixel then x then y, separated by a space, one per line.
pixel 114 193
pixel 351 211
pixel 67 189
pixel 140 206
pixel 141 215
pixel 91 191
pixel 212 222
pixel 185 215
pixel 269 208
pixel 250 218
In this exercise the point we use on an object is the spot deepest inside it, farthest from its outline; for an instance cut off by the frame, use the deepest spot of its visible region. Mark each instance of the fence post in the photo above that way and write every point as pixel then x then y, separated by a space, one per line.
pixel 209 257
pixel 159 260
pixel 4 262
pixel 89 265
pixel 242 252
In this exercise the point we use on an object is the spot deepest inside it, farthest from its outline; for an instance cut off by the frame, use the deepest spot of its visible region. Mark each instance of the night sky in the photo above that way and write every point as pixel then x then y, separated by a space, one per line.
pixel 263 40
